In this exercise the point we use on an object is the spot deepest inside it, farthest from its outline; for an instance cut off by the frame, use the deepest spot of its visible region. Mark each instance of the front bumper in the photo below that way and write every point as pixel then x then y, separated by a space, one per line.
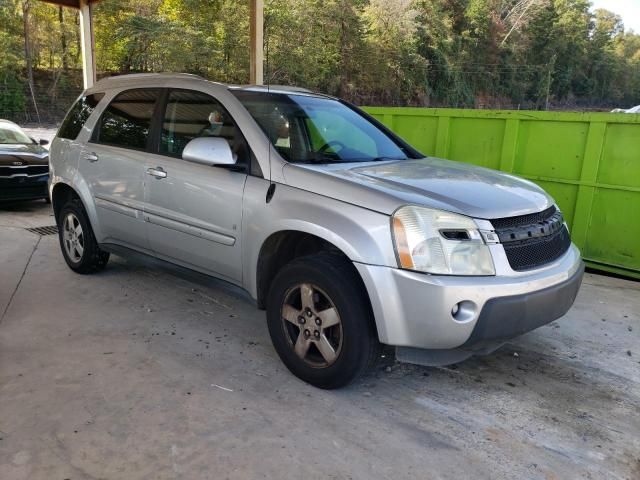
pixel 504 318
pixel 24 188
pixel 415 309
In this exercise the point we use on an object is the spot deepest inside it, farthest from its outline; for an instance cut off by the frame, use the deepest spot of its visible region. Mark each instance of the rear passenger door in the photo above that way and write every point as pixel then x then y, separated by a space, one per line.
pixel 113 162
pixel 194 212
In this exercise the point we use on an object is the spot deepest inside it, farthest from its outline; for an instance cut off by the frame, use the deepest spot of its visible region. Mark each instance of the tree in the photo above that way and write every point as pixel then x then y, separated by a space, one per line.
pixel 457 53
pixel 26 7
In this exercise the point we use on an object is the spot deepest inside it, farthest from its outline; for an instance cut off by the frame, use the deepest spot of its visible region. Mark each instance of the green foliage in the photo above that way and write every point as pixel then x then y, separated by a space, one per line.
pixel 468 53
pixel 12 99
pixel 11 41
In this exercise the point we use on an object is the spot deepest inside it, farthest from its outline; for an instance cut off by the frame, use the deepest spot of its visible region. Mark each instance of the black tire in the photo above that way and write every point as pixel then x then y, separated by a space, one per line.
pixel 335 279
pixel 92 259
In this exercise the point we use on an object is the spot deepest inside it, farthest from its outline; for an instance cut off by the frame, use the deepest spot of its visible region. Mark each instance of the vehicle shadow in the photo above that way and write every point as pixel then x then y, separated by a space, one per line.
pixel 24 206
pixel 26 214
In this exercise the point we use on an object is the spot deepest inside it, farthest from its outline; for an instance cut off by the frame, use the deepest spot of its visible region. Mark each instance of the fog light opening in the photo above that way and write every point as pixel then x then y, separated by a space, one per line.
pixel 464 311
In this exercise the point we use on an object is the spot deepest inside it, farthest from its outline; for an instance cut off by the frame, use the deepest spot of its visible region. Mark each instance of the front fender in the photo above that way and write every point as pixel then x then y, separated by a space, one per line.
pixel 362 235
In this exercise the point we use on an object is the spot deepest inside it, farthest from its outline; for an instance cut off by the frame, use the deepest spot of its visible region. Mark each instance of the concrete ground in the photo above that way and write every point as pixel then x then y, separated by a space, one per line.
pixel 136 373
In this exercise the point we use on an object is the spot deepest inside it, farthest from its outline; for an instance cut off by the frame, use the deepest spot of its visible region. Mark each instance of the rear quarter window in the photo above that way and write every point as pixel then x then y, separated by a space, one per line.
pixel 78 115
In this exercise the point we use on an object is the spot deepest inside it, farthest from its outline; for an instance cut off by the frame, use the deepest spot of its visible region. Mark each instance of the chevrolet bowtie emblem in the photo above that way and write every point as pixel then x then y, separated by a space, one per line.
pixel 17 164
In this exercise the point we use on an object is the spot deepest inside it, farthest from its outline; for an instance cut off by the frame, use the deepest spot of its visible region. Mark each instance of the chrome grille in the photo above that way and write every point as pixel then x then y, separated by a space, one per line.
pixel 28 170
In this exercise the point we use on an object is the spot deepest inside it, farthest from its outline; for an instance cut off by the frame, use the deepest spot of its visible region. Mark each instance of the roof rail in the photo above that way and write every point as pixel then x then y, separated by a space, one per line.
pixel 133 76
pixel 281 88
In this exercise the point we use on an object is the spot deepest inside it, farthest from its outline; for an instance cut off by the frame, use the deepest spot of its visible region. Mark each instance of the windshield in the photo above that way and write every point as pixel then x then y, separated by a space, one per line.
pixel 310 129
pixel 12 134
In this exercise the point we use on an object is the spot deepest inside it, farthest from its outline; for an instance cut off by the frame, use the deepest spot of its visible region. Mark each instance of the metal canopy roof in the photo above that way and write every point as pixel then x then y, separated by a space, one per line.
pixel 68 3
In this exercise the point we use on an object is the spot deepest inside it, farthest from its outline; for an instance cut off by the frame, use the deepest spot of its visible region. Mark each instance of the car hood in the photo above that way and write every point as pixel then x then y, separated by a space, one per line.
pixel 431 182
pixel 31 154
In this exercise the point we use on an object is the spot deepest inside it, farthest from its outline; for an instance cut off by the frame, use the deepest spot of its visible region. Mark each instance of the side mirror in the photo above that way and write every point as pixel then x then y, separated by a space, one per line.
pixel 209 151
pixel 43 142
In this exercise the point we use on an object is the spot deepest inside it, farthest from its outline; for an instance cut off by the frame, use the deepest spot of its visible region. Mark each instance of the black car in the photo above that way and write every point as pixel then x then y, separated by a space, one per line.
pixel 24 165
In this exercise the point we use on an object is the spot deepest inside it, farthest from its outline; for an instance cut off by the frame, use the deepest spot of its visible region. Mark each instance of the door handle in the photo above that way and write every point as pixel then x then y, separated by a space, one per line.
pixel 157 172
pixel 91 157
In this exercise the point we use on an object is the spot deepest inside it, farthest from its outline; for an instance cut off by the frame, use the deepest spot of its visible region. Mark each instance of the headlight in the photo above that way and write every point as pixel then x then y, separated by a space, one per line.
pixel 440 242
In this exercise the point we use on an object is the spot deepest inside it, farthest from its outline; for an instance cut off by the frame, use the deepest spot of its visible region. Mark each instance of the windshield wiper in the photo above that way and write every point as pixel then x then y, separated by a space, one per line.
pixel 322 159
pixel 319 159
pixel 385 159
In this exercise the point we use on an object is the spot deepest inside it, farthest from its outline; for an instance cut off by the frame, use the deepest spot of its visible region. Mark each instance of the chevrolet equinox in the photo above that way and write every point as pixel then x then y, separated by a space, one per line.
pixel 346 235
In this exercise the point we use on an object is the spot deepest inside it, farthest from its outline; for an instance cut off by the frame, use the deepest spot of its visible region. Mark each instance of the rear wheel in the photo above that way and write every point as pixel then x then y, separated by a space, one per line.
pixel 78 244
pixel 320 321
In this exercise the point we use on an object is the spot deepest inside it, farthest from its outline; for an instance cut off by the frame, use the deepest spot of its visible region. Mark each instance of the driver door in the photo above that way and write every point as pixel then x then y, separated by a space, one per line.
pixel 193 212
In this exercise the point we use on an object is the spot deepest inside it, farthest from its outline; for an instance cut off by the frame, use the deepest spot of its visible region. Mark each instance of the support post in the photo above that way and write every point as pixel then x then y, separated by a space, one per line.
pixel 256 72
pixel 87 44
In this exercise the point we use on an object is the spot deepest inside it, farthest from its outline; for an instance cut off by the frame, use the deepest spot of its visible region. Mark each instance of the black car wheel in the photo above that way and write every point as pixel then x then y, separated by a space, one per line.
pixel 320 321
pixel 79 246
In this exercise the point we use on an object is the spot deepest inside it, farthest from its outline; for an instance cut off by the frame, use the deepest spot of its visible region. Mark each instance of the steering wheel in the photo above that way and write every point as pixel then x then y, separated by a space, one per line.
pixel 331 144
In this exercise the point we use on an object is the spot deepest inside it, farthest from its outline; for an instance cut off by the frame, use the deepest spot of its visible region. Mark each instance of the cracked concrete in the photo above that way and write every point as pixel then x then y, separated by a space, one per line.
pixel 15 254
pixel 11 261
pixel 140 373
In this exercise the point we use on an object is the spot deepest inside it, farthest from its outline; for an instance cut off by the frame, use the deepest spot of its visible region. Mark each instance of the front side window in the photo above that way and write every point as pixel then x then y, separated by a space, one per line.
pixel 78 115
pixel 126 122
pixel 311 129
pixel 190 114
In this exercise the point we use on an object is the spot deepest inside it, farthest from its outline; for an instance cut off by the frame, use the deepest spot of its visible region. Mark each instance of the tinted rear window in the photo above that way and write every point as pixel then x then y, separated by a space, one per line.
pixel 78 115
pixel 126 122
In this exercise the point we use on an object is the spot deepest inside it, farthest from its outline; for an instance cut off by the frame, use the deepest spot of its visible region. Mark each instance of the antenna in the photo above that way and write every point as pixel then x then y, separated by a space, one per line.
pixel 266 41
pixel 272 186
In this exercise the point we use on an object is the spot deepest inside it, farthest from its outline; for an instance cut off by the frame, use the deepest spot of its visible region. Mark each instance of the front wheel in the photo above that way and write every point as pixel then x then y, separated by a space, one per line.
pixel 78 244
pixel 320 321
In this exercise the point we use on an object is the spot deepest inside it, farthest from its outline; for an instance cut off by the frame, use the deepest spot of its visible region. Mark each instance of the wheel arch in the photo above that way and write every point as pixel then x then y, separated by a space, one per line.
pixel 63 191
pixel 61 194
pixel 284 246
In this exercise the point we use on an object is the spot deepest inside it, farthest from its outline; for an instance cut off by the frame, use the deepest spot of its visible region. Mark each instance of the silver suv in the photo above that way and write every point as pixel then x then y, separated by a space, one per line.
pixel 344 233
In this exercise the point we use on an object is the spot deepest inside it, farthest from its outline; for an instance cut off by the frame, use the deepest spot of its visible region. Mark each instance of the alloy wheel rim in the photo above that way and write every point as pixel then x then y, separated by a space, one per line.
pixel 312 325
pixel 73 237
